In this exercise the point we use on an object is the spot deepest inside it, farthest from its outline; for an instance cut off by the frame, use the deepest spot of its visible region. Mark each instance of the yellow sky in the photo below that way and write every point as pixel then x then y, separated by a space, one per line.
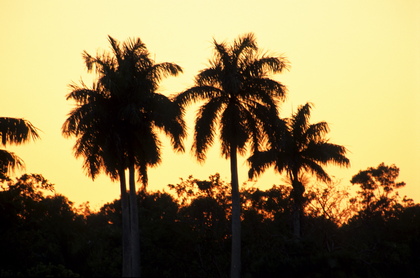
pixel 357 61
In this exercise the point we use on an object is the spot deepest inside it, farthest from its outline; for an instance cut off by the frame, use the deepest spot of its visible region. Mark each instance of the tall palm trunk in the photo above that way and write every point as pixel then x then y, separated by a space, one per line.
pixel 297 196
pixel 296 220
pixel 125 214
pixel 134 225
pixel 235 268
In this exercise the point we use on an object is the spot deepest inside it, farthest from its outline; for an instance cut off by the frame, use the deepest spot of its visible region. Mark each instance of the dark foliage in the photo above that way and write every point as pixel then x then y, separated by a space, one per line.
pixel 185 233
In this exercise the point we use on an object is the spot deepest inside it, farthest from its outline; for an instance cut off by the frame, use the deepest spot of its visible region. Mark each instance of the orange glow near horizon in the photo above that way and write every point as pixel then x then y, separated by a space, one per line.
pixel 357 61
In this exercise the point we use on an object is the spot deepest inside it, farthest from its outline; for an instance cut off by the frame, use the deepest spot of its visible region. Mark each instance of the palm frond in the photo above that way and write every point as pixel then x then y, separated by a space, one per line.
pixel 316 132
pixel 197 93
pixel 300 120
pixel 210 77
pixel 261 123
pixel 16 131
pixel 9 162
pixel 142 174
pixel 134 47
pixel 316 169
pixel 147 146
pixel 168 116
pixel 81 94
pixel 327 153
pixel 260 161
pixel 243 47
pixel 233 129
pixel 264 65
pixel 116 49
pixel 206 121
pixel 221 53
pixel 265 89
pixel 89 60
pixel 159 71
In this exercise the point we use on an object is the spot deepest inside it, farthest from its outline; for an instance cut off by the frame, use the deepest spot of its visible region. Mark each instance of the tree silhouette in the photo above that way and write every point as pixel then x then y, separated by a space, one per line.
pixel 186 235
pixel 299 147
pixel 378 194
pixel 39 228
pixel 240 100
pixel 117 124
pixel 14 131
pixel 95 123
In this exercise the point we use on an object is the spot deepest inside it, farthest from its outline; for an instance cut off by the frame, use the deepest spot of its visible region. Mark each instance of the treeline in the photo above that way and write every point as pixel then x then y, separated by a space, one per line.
pixel 185 231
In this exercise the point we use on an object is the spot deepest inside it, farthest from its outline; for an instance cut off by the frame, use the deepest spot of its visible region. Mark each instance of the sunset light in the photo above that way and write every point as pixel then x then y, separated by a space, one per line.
pixel 357 63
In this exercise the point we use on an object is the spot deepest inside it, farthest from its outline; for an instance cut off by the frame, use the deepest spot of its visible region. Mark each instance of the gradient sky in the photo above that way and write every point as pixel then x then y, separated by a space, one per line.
pixel 357 61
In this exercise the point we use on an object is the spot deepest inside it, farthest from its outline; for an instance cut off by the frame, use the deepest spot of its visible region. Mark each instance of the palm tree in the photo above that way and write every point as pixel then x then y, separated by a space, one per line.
pixel 240 100
pixel 14 131
pixel 297 147
pixel 118 121
pixel 95 125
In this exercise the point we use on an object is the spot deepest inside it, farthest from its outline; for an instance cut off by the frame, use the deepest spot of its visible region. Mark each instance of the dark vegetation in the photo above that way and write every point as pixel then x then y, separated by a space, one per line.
pixel 186 231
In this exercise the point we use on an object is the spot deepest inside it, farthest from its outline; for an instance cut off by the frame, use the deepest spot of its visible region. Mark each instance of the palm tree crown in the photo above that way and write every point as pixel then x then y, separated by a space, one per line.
pixel 14 131
pixel 299 146
pixel 123 110
pixel 95 125
pixel 239 96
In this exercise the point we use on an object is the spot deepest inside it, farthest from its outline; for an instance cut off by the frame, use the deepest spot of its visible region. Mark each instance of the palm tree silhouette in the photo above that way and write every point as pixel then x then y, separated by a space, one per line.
pixel 297 147
pixel 117 124
pixel 94 123
pixel 14 131
pixel 240 101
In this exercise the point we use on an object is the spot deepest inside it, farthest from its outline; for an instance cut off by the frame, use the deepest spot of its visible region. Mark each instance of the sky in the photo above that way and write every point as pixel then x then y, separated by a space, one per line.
pixel 357 61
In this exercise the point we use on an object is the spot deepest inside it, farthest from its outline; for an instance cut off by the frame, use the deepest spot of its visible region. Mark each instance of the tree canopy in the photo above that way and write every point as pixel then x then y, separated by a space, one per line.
pixel 186 234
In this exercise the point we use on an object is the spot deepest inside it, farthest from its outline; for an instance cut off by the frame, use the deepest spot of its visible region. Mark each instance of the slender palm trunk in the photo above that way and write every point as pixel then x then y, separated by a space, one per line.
pixel 125 214
pixel 134 225
pixel 297 195
pixel 235 268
